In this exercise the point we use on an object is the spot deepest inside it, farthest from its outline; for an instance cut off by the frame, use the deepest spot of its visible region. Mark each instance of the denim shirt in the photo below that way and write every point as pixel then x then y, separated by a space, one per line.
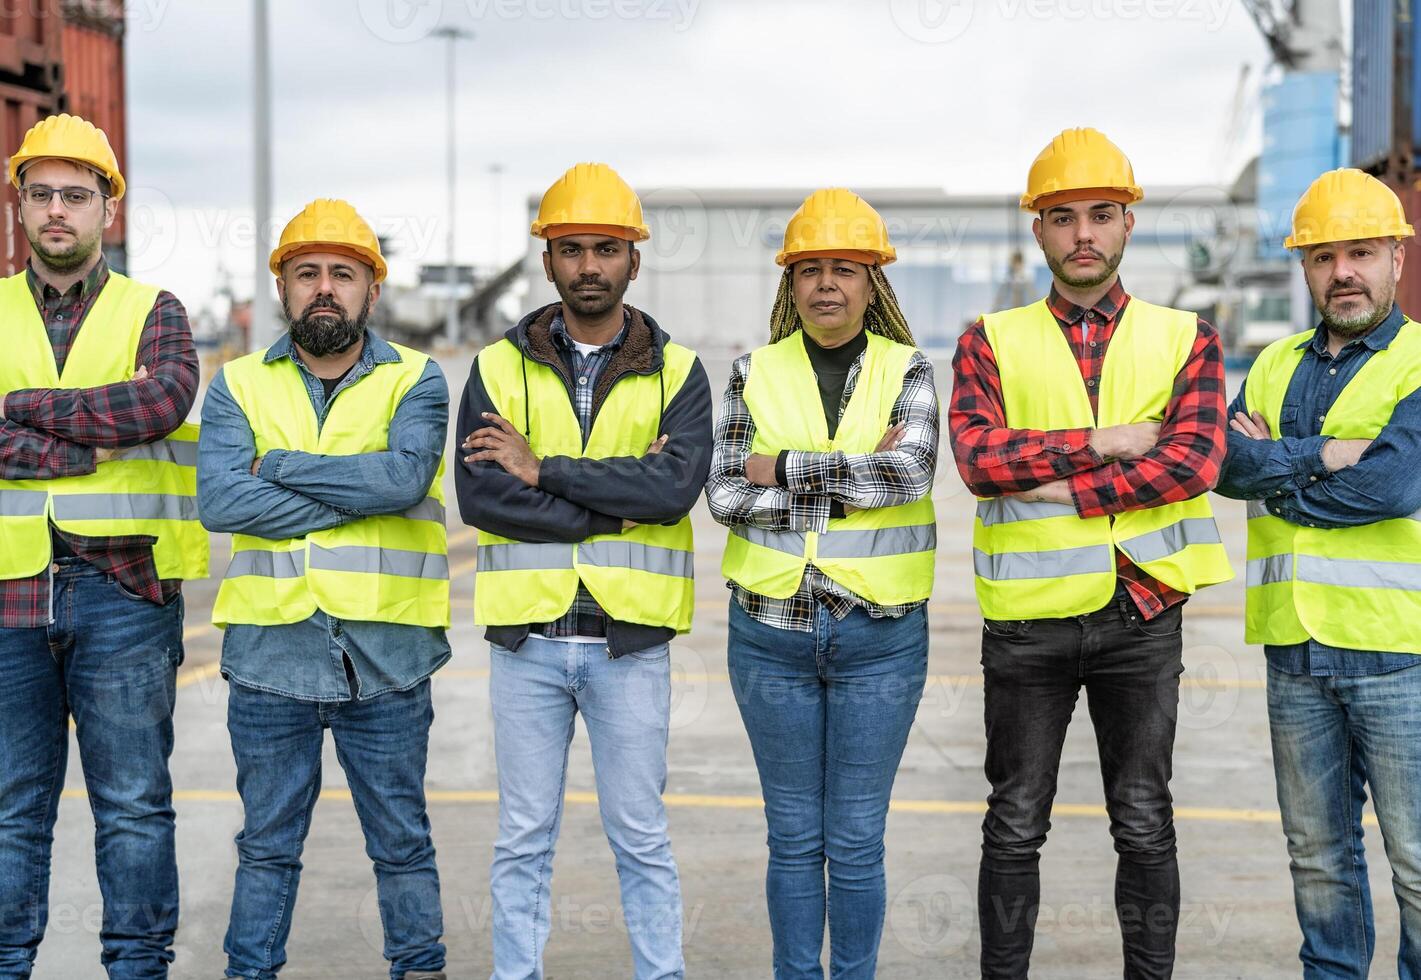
pixel 1287 474
pixel 296 493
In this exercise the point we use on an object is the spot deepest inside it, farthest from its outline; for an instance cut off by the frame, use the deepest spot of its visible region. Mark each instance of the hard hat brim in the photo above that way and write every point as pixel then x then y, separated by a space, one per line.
pixel 861 256
pixel 627 233
pixel 280 255
pixel 18 163
pixel 1120 195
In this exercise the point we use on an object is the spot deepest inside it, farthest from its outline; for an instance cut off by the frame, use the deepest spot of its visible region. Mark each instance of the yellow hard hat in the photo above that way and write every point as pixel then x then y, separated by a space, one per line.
pixel 1346 205
pixel 66 137
pixel 327 225
pixel 591 198
pixel 836 223
pixel 1078 161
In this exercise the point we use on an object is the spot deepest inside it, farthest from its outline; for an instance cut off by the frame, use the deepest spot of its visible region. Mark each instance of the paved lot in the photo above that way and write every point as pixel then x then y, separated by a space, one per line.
pixel 1237 917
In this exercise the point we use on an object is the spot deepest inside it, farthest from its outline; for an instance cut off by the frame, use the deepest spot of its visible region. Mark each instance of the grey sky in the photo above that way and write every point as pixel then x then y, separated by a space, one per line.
pixel 682 93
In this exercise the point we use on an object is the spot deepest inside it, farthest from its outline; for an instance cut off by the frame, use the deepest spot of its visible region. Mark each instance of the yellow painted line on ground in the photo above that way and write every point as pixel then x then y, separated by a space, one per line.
pixel 703 801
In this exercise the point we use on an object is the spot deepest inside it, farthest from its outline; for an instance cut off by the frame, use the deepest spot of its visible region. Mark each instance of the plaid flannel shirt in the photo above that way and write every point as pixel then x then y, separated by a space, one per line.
pixel 813 481
pixel 1184 463
pixel 53 432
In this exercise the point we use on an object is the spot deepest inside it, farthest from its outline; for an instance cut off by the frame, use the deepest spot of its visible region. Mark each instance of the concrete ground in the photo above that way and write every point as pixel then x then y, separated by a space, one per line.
pixel 1237 916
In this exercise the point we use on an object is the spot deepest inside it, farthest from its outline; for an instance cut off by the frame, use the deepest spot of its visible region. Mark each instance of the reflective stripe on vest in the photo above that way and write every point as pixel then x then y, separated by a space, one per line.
pixel 1007 565
pixel 379 561
pixel 267 564
pixel 1038 560
pixel 147 490
pixel 1354 588
pixel 643 574
pixel 390 568
pixel 884 555
pixel 23 503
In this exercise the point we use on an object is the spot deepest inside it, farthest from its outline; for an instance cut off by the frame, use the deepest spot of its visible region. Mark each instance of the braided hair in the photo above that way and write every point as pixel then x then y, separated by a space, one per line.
pixel 883 315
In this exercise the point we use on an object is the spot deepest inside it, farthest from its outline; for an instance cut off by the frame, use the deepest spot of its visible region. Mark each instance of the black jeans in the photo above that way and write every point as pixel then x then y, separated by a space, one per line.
pixel 1034 670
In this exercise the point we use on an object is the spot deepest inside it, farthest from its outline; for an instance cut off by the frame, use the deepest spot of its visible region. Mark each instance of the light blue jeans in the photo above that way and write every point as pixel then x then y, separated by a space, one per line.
pixel 537 694
pixel 1333 737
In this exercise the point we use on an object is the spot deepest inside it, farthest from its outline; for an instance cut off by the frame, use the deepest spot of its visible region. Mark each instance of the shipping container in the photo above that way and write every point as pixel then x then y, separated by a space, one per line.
pixel 20 108
pixel 30 43
pixel 1408 290
pixel 92 86
pixel 1300 141
pixel 1373 81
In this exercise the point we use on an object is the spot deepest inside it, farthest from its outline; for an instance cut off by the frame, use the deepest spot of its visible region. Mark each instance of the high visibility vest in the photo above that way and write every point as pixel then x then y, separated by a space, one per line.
pixel 385 568
pixel 1357 588
pixel 883 554
pixel 643 575
pixel 1042 560
pixel 147 490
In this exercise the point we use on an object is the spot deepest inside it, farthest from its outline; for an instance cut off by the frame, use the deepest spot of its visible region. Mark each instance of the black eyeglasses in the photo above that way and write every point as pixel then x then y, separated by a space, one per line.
pixel 74 198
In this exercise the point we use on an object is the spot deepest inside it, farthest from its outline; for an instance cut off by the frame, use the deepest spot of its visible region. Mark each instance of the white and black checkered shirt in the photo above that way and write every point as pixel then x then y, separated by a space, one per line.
pixel 813 481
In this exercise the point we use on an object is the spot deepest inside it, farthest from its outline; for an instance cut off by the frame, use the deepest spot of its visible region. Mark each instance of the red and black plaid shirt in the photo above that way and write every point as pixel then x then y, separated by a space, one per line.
pixel 53 432
pixel 995 460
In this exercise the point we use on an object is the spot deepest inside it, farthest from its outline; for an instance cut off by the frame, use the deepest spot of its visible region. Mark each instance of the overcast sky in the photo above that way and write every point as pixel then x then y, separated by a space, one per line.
pixel 672 93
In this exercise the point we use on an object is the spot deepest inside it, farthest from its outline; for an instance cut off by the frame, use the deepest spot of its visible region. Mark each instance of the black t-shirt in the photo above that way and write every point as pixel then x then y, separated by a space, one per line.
pixel 831 371
pixel 331 384
pixel 831 368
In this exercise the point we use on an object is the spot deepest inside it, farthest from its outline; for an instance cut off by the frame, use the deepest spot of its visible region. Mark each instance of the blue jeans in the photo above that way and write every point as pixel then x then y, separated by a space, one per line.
pixel 111 661
pixel 537 694
pixel 1332 738
pixel 382 745
pixel 828 714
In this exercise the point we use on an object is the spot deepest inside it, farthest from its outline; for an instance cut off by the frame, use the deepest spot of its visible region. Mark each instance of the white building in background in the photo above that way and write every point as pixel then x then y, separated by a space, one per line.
pixel 709 278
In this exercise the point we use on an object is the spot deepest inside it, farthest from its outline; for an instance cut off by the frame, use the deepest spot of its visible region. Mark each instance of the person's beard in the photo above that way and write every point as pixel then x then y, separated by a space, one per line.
pixel 592 304
pixel 1111 263
pixel 1360 323
pixel 66 258
pixel 321 336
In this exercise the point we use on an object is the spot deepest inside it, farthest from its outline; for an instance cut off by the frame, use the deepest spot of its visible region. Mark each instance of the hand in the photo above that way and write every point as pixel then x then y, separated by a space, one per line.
pixel 1338 454
pixel 892 439
pixel 1125 441
pixel 1254 425
pixel 257 465
pixel 760 470
pixel 1055 492
pixel 501 443
pixel 105 455
pixel 627 525
pixel 141 374
pixel 655 448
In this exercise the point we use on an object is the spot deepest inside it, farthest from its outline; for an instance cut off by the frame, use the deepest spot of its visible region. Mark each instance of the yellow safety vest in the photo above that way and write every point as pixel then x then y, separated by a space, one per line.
pixel 883 554
pixel 1353 587
pixel 642 575
pixel 148 490
pixel 1042 560
pixel 386 568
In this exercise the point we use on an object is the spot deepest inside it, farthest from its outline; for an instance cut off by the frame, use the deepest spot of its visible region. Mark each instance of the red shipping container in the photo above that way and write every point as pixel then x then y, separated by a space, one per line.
pixel 92 85
pixel 1408 291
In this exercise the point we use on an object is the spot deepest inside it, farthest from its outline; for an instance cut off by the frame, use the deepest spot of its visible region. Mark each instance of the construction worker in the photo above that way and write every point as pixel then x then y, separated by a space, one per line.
pixel 1090 425
pixel 824 456
pixel 586 439
pixel 98 529
pixel 1325 436
pixel 322 456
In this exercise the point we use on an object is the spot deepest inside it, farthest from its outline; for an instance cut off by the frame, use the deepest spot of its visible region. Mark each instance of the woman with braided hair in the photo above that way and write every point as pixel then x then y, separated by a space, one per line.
pixel 823 468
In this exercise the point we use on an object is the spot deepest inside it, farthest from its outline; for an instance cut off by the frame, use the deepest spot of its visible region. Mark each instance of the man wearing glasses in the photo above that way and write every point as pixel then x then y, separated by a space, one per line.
pixel 98 528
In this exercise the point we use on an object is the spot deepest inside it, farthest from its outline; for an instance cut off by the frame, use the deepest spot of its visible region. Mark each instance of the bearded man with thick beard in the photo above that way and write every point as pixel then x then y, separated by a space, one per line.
pixel 1326 434
pixel 322 457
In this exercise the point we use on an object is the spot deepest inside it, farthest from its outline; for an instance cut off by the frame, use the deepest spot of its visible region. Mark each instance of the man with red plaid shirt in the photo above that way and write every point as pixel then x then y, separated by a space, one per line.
pixel 1090 426
pixel 98 527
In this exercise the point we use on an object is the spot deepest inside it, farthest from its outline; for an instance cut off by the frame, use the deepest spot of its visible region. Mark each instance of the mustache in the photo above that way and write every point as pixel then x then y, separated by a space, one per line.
pixel 1337 287
pixel 595 281
pixel 58 226
pixel 1093 253
pixel 323 303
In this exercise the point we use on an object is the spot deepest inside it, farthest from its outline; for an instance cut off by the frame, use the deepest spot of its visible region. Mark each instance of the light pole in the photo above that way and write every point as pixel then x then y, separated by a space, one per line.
pixel 262 319
pixel 451 323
